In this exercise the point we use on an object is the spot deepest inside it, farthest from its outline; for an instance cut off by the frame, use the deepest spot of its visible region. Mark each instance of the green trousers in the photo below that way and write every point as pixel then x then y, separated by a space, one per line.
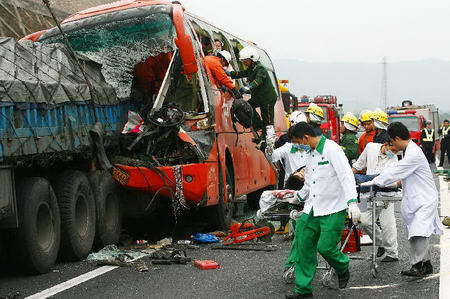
pixel 266 118
pixel 318 234
pixel 294 252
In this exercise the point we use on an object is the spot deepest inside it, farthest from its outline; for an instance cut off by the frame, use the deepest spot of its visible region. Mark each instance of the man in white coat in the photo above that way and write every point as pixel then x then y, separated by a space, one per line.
pixel 288 153
pixel 374 159
pixel 420 197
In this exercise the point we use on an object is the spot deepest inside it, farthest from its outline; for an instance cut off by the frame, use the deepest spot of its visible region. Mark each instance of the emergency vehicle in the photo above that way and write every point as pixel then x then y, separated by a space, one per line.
pixel 414 117
pixel 331 109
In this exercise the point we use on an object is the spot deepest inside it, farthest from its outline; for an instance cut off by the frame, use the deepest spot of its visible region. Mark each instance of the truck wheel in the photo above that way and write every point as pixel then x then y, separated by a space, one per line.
pixel 223 212
pixel 77 207
pixel 108 207
pixel 35 244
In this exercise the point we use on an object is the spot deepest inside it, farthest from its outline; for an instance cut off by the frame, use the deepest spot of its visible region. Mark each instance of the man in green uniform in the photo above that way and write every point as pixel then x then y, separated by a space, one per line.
pixel 328 191
pixel 260 86
pixel 349 141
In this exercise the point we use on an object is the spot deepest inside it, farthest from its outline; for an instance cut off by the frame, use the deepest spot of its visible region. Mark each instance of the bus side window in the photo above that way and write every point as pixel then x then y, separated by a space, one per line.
pixel 204 38
pixel 228 47
pixel 267 63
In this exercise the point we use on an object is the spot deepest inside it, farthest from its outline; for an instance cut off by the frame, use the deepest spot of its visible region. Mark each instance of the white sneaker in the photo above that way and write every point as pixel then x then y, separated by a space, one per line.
pixel 289 275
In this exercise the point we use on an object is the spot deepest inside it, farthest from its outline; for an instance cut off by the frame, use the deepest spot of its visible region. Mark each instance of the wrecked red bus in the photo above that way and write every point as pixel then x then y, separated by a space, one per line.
pixel 184 147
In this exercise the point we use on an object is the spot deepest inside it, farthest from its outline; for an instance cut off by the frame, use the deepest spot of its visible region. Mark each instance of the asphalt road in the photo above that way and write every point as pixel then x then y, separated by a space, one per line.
pixel 242 274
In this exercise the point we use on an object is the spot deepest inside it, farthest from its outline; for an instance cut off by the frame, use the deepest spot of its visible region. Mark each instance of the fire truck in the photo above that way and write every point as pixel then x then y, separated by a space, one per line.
pixel 331 110
pixel 414 117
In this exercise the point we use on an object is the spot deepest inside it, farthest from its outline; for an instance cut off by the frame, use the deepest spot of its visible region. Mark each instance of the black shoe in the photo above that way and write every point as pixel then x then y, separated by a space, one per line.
pixel 343 279
pixel 415 271
pixel 381 251
pixel 427 268
pixel 298 296
pixel 389 259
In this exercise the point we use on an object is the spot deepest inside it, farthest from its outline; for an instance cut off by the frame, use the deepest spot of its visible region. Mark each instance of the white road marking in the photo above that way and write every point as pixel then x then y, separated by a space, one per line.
pixel 444 280
pixel 397 284
pixel 71 283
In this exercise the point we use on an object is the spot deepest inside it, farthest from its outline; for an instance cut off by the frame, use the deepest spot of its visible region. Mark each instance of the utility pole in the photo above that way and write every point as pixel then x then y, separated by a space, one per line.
pixel 384 97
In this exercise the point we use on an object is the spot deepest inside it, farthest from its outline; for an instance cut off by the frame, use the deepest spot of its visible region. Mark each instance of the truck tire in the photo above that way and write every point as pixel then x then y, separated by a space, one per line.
pixel 108 209
pixel 77 208
pixel 35 244
pixel 223 212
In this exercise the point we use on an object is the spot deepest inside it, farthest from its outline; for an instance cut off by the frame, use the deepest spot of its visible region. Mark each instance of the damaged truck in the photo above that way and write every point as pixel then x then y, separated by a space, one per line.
pixel 110 113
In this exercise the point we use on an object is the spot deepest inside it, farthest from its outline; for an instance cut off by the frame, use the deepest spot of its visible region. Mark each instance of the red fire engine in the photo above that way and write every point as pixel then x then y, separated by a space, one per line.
pixel 331 122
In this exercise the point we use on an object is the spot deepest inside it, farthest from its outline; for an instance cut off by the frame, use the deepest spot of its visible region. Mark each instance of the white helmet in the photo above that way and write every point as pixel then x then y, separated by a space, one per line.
pixel 249 53
pixel 296 117
pixel 226 55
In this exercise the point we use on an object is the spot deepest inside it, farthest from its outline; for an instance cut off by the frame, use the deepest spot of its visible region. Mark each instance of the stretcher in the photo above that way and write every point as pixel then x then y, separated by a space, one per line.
pixel 373 198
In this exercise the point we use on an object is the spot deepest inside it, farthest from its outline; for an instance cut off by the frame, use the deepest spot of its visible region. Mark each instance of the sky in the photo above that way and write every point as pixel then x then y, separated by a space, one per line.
pixel 336 30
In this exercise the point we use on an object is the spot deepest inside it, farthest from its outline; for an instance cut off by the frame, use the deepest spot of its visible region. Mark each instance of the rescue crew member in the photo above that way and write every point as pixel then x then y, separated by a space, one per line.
pixel 381 122
pixel 369 134
pixel 444 132
pixel 420 197
pixel 349 141
pixel 216 64
pixel 261 88
pixel 315 117
pixel 375 158
pixel 427 139
pixel 291 158
pixel 329 189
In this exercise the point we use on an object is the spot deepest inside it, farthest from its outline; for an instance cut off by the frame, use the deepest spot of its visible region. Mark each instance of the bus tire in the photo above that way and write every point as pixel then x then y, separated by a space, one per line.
pixel 77 208
pixel 223 212
pixel 35 244
pixel 108 209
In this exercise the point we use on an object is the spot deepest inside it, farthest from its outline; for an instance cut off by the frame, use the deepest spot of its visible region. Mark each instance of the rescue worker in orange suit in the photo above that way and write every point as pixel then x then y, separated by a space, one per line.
pixel 427 140
pixel 216 65
pixel 369 134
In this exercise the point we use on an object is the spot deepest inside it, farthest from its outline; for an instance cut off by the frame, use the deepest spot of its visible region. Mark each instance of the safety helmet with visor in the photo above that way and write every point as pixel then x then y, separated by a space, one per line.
pixel 350 121
pixel 380 119
pixel 315 113
pixel 225 54
pixel 296 117
pixel 249 53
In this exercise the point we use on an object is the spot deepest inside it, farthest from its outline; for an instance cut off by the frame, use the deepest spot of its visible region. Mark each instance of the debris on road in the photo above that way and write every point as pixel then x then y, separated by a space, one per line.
pixel 244 248
pixel 206 264
pixel 205 238
pixel 165 242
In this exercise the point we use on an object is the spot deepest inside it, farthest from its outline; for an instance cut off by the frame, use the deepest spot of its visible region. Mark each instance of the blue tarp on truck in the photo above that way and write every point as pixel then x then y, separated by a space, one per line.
pixel 47 107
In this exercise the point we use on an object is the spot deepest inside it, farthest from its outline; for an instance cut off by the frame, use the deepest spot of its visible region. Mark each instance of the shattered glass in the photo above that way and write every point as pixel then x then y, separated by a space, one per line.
pixel 118 46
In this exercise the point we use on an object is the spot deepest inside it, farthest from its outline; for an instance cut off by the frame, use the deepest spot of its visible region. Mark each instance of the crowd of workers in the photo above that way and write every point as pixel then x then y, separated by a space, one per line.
pixel 331 174
pixel 324 177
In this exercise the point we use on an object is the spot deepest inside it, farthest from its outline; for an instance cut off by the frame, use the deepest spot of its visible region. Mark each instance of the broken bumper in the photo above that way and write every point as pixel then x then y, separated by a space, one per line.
pixel 163 181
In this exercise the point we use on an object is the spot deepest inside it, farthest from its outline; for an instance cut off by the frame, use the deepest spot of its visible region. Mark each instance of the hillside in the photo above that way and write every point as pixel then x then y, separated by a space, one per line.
pixel 358 85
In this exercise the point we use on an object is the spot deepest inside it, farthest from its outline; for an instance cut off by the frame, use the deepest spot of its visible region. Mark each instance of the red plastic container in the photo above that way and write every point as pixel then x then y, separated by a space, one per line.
pixel 353 244
pixel 206 264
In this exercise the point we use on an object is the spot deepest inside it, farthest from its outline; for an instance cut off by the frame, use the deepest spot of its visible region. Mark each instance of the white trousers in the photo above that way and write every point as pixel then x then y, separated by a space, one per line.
pixel 387 235
pixel 420 249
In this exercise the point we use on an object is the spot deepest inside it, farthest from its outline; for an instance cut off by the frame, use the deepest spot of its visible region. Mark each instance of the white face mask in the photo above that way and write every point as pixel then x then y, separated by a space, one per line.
pixel 389 154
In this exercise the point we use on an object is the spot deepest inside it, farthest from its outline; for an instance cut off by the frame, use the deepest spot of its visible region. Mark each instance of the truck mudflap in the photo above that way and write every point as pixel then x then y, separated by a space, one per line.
pixel 190 181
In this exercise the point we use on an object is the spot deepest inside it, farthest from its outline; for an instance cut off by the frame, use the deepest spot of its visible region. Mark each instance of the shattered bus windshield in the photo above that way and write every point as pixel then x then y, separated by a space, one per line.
pixel 120 44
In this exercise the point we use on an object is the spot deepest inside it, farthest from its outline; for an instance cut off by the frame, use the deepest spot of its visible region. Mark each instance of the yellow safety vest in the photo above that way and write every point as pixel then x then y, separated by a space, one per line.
pixel 429 135
pixel 445 131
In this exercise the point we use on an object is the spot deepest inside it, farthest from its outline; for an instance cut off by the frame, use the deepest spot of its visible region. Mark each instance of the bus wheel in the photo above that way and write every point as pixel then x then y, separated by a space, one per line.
pixel 35 244
pixel 224 210
pixel 77 207
pixel 108 210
